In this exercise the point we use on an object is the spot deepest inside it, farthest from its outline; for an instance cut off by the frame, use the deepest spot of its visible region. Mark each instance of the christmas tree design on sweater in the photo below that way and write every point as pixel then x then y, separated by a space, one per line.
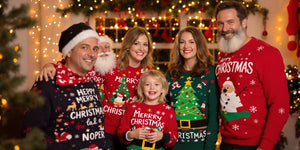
pixel 186 106
pixel 121 94
pixel 230 101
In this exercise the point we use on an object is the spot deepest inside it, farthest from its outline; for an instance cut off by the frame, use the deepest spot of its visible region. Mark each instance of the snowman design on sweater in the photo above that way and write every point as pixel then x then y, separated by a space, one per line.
pixel 230 101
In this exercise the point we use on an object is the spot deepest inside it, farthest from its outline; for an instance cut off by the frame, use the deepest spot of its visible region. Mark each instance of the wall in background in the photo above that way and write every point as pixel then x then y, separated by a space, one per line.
pixel 277 36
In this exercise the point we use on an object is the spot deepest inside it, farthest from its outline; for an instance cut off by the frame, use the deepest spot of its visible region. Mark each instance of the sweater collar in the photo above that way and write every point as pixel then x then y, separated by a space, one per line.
pixel 66 76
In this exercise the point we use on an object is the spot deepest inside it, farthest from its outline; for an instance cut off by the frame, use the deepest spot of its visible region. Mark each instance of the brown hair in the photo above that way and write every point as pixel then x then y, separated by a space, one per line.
pixel 130 37
pixel 153 74
pixel 239 7
pixel 204 57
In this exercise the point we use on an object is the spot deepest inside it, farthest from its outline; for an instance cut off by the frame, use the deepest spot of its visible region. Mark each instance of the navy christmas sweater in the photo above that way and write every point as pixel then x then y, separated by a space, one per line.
pixel 72 115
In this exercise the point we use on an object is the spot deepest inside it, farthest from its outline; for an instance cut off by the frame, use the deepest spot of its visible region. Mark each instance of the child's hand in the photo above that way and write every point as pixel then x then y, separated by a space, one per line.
pixel 139 133
pixel 155 136
pixel 47 70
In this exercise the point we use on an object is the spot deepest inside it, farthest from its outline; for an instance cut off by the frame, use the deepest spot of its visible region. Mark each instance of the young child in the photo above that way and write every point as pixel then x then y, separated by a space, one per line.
pixel 149 123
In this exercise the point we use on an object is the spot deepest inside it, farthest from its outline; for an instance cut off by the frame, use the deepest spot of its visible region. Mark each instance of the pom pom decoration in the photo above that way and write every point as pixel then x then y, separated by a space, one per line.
pixel 293 26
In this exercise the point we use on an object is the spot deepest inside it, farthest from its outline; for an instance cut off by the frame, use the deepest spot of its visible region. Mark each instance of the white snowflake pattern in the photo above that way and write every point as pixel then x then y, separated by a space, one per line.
pixel 168 107
pixel 253 109
pixel 236 127
pixel 76 136
pixel 260 48
pixel 240 76
pixel 133 106
pixel 252 82
pixel 158 112
pixel 255 121
pixel 72 94
pixel 111 72
pixel 281 111
pixel 163 113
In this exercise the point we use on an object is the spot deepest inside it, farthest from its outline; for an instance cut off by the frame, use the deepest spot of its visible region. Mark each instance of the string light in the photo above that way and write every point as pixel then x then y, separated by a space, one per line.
pixel 3 103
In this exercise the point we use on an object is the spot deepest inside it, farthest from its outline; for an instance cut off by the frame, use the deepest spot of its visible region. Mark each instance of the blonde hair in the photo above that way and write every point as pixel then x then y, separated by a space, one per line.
pixel 204 57
pixel 129 39
pixel 160 77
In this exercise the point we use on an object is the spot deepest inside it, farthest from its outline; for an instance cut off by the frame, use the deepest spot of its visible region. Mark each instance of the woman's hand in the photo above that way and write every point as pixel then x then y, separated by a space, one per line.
pixel 155 136
pixel 139 133
pixel 47 70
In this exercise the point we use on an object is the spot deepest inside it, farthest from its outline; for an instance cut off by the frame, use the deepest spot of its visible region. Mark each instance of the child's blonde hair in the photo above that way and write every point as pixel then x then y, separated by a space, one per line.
pixel 160 77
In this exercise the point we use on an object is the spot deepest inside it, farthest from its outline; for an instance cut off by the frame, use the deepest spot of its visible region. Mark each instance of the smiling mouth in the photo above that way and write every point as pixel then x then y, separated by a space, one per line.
pixel 140 54
pixel 152 93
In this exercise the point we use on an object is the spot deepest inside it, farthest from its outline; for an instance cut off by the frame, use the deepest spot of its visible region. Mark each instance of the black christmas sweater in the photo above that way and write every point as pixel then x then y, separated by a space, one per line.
pixel 72 115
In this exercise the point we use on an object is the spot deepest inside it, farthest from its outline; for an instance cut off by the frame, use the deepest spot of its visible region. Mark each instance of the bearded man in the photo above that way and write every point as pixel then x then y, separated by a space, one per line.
pixel 256 70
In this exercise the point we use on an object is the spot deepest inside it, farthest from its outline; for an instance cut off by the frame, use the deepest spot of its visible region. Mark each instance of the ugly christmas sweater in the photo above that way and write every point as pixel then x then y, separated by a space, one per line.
pixel 72 115
pixel 254 95
pixel 119 89
pixel 160 117
pixel 194 100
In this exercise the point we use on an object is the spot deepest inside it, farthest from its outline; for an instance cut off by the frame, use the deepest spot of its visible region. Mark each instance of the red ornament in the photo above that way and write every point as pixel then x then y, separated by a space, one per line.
pixel 202 8
pixel 192 91
pixel 265 33
pixel 165 2
pixel 116 9
pixel 186 93
pixel 193 108
pixel 182 102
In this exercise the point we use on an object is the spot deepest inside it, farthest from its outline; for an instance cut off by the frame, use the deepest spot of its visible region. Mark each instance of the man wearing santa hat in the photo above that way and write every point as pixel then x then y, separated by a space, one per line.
pixel 65 125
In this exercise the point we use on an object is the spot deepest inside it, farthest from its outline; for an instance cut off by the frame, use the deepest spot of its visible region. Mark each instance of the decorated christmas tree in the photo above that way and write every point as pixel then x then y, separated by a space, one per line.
pixel 13 103
pixel 293 79
pixel 121 94
pixel 186 106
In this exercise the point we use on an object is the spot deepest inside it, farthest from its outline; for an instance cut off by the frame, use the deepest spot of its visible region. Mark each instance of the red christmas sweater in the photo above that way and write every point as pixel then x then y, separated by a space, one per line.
pixel 161 117
pixel 119 88
pixel 254 95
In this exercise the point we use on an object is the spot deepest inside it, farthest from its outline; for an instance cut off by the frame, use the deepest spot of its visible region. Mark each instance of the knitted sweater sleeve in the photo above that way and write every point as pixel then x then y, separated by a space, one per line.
pixel 212 129
pixel 125 125
pixel 275 89
pixel 40 117
pixel 171 129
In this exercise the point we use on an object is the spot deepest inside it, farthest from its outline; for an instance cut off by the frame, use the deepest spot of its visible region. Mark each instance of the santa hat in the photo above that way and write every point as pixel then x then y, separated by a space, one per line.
pixel 105 38
pixel 74 35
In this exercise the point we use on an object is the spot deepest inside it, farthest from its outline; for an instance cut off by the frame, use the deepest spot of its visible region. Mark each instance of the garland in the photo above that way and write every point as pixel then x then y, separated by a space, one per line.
pixel 167 7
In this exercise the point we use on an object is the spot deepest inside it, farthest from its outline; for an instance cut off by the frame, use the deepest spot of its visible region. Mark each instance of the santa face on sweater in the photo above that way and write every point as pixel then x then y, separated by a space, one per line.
pixel 230 101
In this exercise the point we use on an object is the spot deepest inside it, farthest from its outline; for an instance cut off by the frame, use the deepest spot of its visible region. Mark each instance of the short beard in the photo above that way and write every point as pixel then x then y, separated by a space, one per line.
pixel 105 65
pixel 233 44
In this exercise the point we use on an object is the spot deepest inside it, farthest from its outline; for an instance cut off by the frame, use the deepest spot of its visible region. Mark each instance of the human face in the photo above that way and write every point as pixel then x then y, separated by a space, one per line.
pixel 187 46
pixel 229 23
pixel 152 90
pixel 138 51
pixel 104 47
pixel 82 57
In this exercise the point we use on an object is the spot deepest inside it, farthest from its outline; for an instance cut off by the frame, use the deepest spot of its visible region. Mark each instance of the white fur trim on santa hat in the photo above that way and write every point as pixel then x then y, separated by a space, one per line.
pixel 78 38
pixel 105 38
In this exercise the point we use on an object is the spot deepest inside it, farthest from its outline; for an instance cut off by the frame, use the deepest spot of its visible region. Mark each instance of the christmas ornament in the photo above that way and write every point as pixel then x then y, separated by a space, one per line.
pixel 156 31
pixel 208 33
pixel 293 25
pixel 165 36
